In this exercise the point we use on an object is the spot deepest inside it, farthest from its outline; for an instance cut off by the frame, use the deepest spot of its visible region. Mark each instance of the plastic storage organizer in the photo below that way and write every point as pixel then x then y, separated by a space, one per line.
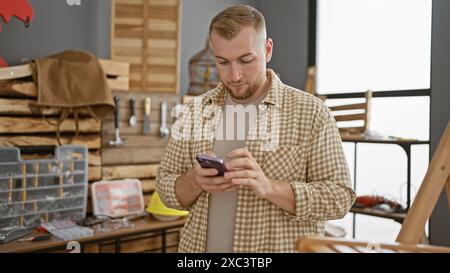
pixel 44 189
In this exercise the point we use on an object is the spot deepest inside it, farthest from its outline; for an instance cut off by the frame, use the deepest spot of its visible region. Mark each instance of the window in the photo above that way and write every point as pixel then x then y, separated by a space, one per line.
pixel 383 46
pixel 379 45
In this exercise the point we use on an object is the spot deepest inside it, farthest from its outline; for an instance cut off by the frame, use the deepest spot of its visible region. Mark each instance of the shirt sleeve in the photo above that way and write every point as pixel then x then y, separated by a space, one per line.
pixel 171 167
pixel 327 193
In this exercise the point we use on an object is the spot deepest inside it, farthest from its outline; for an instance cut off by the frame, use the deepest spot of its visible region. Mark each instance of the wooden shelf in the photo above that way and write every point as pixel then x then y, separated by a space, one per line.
pixel 399 217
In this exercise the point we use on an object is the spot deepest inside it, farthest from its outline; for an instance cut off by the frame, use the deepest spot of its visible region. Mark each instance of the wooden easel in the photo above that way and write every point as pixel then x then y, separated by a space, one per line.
pixel 436 179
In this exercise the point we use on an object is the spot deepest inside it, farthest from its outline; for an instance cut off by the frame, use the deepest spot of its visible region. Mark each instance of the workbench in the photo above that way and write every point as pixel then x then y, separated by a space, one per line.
pixel 113 241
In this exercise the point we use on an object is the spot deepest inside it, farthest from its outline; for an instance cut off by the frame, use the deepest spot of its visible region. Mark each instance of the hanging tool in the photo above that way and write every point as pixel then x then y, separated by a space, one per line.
pixel 147 108
pixel 117 141
pixel 132 120
pixel 164 130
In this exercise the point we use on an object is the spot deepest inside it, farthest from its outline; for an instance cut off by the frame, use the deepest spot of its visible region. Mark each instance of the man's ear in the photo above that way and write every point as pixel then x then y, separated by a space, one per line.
pixel 269 49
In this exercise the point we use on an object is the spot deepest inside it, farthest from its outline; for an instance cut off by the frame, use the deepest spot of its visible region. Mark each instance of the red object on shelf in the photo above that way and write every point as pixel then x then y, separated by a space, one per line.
pixel 20 9
pixel 3 63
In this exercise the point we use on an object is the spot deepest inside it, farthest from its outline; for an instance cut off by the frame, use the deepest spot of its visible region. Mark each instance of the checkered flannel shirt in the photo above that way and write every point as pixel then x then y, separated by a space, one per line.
pixel 308 154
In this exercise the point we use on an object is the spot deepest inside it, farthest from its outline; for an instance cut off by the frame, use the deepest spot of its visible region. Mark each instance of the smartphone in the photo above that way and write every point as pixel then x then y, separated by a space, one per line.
pixel 211 162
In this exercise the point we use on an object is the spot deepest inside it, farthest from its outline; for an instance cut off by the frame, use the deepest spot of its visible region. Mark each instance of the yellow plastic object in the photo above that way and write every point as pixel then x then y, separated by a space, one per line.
pixel 157 209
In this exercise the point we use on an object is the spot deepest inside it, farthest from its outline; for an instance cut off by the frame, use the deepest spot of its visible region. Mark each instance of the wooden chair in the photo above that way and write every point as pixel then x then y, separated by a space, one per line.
pixel 436 179
pixel 355 112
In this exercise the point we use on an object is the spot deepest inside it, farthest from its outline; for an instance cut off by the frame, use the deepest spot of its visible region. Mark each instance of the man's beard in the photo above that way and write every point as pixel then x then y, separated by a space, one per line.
pixel 247 93
pixel 251 89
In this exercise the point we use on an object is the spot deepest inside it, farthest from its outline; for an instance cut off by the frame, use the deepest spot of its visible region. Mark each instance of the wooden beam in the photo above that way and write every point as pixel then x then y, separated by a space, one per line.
pixel 115 68
pixel 148 185
pixel 318 244
pixel 355 106
pixel 93 157
pixel 91 141
pixel 94 173
pixel 137 155
pixel 137 141
pixel 125 129
pixel 29 107
pixel 433 184
pixel 15 72
pixel 350 117
pixel 130 171
pixel 39 125
pixel 18 89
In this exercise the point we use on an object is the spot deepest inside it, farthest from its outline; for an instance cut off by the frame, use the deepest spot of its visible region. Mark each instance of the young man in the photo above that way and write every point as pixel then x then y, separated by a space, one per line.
pixel 285 174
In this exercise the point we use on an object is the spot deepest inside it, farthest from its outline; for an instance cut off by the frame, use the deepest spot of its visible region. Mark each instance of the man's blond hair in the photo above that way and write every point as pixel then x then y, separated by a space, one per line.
pixel 229 22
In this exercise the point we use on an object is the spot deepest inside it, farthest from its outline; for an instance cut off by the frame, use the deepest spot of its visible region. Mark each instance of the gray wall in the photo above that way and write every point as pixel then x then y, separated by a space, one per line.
pixel 287 25
pixel 196 15
pixel 440 109
pixel 55 27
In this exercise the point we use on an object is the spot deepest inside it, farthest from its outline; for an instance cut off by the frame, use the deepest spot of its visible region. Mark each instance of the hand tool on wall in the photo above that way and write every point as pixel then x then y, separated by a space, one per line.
pixel 117 141
pixel 132 120
pixel 164 130
pixel 147 108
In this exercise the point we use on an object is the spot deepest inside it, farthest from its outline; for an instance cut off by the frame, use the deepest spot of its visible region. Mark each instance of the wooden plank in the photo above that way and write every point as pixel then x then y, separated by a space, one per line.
pixel 130 171
pixel 344 249
pixel 139 96
pixel 28 107
pixel 164 2
pixel 148 185
pixel 126 130
pixel 39 125
pixel 115 68
pixel 155 116
pixel 144 45
pixel 350 117
pixel 91 141
pixel 18 89
pixel 121 83
pixel 139 155
pixel 348 107
pixel 138 141
pixel 94 173
pixel 15 72
pixel 431 188
pixel 313 243
pixel 111 68
pixel 93 157
pixel 448 191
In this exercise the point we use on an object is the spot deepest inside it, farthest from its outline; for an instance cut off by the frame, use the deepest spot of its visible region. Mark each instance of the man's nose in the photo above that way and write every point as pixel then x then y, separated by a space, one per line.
pixel 236 73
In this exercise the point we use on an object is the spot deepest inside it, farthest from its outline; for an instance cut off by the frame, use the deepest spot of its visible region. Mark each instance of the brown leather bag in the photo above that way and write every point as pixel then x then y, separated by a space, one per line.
pixel 74 82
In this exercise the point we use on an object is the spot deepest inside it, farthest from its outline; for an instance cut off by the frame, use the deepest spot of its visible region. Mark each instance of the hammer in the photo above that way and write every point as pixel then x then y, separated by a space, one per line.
pixel 118 140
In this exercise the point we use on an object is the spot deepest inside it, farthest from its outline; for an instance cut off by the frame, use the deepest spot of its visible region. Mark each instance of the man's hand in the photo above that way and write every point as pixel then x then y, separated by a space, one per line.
pixel 205 179
pixel 243 170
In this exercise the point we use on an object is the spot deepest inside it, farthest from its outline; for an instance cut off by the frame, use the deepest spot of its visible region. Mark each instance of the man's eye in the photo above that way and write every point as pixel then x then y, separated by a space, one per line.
pixel 247 61
pixel 223 62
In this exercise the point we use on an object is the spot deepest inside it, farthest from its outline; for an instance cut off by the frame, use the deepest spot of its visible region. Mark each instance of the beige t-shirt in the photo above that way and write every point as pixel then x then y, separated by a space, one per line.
pixel 230 134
